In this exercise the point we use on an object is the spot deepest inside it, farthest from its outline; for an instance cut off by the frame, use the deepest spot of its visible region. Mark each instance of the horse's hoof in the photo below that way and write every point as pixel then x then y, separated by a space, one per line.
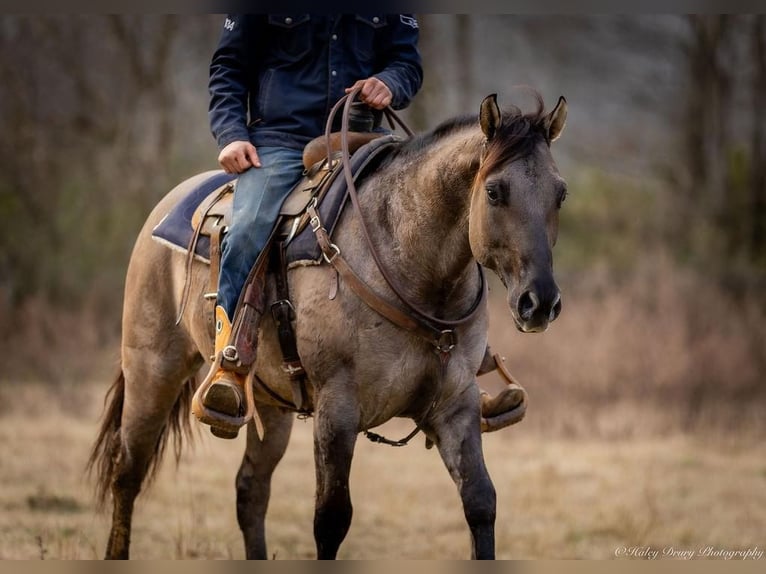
pixel 223 433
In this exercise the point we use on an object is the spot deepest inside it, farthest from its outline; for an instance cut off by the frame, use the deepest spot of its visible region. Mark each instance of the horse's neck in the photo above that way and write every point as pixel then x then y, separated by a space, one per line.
pixel 423 201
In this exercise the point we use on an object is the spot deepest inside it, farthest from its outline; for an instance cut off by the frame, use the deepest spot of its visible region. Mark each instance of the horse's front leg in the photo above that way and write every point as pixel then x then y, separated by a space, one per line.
pixel 254 476
pixel 457 434
pixel 335 430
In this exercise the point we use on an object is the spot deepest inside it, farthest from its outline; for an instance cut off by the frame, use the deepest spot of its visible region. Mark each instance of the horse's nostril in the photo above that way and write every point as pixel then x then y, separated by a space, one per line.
pixel 556 310
pixel 528 303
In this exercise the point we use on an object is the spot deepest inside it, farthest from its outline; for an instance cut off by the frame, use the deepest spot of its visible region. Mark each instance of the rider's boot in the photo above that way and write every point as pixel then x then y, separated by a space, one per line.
pixel 223 390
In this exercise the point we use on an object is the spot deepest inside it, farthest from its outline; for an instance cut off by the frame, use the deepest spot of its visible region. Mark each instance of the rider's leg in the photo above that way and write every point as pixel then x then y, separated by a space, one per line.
pixel 258 196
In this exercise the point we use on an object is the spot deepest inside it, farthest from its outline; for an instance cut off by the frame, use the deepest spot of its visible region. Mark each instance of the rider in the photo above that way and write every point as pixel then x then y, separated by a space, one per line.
pixel 273 80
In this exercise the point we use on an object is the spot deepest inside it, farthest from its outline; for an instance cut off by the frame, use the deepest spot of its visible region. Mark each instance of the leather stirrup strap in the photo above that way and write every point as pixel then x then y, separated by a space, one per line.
pixel 211 297
pixel 193 248
pixel 283 313
pixel 503 370
pixel 251 306
pixel 495 362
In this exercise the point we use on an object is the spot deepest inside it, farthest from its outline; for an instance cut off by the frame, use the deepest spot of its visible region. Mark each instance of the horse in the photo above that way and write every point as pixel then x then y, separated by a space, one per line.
pixel 471 193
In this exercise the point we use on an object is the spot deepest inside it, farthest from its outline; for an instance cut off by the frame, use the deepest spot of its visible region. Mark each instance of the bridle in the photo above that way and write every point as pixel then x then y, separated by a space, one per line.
pixel 439 332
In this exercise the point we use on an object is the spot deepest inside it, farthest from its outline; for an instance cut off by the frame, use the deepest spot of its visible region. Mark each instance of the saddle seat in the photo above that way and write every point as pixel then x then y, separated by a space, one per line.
pixel 214 212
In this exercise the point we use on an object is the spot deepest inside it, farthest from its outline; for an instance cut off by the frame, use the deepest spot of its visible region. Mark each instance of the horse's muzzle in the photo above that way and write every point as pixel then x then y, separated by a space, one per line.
pixel 535 309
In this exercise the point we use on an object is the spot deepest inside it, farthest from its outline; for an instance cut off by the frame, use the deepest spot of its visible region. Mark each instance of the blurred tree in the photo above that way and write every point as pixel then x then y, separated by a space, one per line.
pixel 101 115
pixel 419 113
pixel 707 106
pixel 464 61
pixel 93 107
pixel 757 204
pixel 724 153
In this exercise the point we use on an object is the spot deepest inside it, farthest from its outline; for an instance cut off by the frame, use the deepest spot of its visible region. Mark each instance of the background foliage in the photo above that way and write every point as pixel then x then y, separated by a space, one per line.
pixel 661 253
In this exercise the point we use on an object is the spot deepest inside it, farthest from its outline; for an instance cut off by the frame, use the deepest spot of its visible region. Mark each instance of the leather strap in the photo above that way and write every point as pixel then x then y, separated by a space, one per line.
pixel 211 296
pixel 193 248
pixel 443 340
pixel 283 313
pixel 427 322
pixel 247 315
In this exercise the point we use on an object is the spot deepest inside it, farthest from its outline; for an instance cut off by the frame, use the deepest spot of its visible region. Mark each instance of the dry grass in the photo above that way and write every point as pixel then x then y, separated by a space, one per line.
pixel 557 497
pixel 659 351
pixel 645 428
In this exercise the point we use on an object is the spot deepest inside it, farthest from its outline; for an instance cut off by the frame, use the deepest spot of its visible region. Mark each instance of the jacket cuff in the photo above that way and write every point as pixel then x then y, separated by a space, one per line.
pixel 390 81
pixel 398 99
pixel 232 134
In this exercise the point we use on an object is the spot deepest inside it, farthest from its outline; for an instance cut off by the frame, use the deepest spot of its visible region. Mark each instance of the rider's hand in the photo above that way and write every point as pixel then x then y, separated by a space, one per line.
pixel 238 156
pixel 374 93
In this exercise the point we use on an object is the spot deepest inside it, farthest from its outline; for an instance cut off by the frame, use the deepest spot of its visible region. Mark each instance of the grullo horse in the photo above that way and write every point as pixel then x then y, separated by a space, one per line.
pixel 474 190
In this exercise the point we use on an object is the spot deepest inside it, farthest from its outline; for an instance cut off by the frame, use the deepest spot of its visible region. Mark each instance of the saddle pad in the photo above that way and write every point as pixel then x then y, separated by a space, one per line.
pixel 175 228
pixel 304 249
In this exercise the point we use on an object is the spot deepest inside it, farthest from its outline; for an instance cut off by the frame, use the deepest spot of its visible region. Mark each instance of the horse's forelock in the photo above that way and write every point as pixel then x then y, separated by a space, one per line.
pixel 516 137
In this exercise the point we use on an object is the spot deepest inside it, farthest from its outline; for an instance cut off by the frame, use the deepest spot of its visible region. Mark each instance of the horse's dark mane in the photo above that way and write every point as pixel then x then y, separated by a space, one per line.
pixel 422 141
pixel 515 137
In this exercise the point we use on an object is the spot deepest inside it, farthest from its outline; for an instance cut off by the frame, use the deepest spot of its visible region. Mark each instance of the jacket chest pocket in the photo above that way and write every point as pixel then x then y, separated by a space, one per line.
pixel 290 36
pixel 367 29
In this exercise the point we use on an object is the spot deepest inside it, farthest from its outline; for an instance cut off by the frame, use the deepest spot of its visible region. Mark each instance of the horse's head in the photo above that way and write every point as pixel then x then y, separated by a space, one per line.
pixel 515 206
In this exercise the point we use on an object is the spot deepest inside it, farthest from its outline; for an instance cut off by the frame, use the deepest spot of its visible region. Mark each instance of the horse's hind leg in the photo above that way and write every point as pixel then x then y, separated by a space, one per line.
pixel 458 438
pixel 153 384
pixel 254 476
pixel 335 432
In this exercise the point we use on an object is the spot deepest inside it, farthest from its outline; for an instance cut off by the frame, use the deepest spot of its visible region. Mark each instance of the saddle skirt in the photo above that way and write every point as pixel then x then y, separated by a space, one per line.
pixel 208 205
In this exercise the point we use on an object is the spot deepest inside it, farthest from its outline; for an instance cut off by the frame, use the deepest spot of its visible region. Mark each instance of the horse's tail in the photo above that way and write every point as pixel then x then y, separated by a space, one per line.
pixel 105 453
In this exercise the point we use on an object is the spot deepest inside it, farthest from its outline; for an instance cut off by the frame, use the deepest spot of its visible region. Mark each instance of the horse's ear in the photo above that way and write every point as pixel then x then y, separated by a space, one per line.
pixel 556 120
pixel 489 116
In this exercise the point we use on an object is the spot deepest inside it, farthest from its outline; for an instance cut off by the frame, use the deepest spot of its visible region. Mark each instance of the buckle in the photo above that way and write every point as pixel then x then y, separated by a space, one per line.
pixel 446 341
pixel 292 370
pixel 337 252
pixel 230 353
pixel 283 302
pixel 277 306
pixel 315 223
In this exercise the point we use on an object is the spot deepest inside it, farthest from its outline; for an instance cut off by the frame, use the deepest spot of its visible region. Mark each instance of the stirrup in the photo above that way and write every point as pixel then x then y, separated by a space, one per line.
pixel 508 418
pixel 222 425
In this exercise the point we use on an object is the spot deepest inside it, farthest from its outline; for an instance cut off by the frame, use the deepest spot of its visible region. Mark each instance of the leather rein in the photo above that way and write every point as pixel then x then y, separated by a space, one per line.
pixel 439 332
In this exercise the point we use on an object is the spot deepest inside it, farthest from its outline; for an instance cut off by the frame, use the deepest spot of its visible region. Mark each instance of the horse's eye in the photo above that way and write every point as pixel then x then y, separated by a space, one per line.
pixel 561 198
pixel 493 195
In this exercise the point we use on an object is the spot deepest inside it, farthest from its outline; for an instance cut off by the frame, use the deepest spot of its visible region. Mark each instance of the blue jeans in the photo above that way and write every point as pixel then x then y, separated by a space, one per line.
pixel 258 196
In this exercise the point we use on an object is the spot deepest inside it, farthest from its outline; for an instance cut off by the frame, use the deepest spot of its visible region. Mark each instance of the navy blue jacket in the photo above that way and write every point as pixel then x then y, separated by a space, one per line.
pixel 274 78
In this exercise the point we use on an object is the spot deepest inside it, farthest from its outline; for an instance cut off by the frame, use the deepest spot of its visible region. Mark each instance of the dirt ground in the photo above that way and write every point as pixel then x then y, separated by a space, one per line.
pixel 558 497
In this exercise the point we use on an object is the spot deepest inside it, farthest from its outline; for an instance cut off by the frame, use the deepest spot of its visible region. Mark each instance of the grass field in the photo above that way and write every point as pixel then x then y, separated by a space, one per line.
pixel 558 497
